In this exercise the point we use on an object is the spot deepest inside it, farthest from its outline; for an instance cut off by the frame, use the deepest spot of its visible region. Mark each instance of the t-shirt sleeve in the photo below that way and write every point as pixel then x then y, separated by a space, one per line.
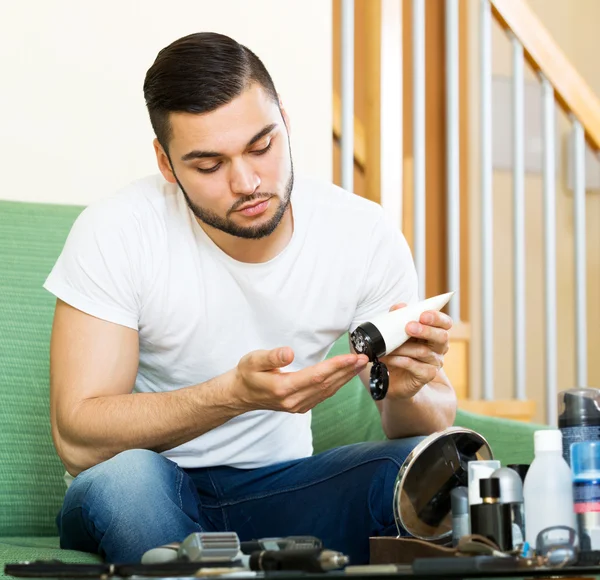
pixel 390 274
pixel 97 271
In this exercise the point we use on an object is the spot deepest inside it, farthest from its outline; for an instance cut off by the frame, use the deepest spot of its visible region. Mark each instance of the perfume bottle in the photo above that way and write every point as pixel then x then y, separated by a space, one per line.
pixel 491 518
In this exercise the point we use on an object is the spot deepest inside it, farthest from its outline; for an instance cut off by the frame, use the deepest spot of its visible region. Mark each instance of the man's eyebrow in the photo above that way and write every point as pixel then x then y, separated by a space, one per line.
pixel 261 134
pixel 197 154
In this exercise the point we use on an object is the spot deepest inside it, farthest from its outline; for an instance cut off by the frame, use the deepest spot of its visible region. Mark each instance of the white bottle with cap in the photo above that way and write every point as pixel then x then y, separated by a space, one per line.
pixel 548 487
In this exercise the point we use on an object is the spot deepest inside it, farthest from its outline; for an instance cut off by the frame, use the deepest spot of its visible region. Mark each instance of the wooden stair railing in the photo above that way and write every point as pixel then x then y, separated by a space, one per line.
pixel 360 140
pixel 544 55
pixel 573 95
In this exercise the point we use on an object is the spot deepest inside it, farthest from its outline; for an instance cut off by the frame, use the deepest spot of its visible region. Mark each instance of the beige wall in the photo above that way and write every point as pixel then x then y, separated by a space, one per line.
pixel 74 125
pixel 573 24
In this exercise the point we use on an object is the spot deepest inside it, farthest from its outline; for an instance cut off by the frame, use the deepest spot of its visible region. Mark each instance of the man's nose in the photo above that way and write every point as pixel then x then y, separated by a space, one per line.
pixel 244 180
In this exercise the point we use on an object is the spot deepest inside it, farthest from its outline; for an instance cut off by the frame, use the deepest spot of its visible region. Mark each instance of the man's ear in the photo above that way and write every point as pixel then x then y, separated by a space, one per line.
pixel 284 114
pixel 163 162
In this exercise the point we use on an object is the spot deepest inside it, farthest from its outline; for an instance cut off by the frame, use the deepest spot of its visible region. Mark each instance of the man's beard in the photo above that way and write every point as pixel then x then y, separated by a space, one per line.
pixel 228 226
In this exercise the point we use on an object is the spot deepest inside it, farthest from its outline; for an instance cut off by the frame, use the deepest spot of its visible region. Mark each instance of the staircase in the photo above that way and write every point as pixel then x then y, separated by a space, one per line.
pixel 438 44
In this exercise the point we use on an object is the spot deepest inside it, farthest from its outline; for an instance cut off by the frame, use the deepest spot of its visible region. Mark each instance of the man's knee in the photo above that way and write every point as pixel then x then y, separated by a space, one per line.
pixel 128 504
pixel 399 449
pixel 392 455
pixel 392 451
pixel 132 476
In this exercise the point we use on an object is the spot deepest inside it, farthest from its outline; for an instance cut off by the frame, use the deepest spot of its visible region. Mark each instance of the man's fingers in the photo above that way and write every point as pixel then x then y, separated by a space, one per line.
pixel 323 372
pixel 437 319
pixel 419 351
pixel 437 338
pixel 307 398
pixel 267 360
pixel 422 373
pixel 299 391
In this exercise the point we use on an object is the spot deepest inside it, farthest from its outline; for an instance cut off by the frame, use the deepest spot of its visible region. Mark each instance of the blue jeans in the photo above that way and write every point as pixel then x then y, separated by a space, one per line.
pixel 139 500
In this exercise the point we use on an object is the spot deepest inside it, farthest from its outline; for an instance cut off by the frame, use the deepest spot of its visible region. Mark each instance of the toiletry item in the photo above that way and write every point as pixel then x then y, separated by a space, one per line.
pixel 520 468
pixel 459 504
pixel 578 417
pixel 476 471
pixel 548 488
pixel 585 465
pixel 491 518
pixel 511 493
pixel 386 332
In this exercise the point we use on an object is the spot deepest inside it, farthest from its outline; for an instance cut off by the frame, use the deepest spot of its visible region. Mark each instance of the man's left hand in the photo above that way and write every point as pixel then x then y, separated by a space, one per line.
pixel 417 362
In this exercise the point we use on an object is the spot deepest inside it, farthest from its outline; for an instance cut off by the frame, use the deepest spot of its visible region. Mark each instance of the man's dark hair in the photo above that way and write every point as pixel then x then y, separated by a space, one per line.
pixel 197 74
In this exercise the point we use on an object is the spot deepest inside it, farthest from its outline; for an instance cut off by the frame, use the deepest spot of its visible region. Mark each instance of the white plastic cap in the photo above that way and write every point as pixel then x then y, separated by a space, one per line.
pixel 547 440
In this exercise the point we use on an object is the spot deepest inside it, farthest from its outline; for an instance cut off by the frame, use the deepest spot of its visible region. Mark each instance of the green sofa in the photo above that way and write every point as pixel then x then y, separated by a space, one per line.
pixel 31 475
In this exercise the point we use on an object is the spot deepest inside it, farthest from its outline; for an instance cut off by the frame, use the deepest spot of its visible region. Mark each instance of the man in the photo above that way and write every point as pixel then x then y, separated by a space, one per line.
pixel 195 310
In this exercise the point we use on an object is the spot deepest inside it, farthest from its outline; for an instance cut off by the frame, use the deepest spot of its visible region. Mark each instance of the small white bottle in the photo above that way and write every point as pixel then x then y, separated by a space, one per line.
pixel 548 487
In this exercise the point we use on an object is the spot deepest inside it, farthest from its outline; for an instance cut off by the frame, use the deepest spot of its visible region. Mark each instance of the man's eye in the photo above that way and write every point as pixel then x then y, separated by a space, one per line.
pixel 264 149
pixel 210 169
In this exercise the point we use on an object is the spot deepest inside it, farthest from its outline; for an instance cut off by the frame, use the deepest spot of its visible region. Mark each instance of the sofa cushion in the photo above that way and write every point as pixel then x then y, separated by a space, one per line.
pixel 22 549
pixel 350 416
pixel 31 485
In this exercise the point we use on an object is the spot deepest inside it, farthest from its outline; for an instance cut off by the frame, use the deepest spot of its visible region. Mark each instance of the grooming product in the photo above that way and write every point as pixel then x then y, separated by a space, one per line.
pixel 479 470
pixel 385 332
pixel 578 417
pixel 520 468
pixel 224 547
pixel 557 546
pixel 161 554
pixel 197 547
pixel 422 490
pixel 585 465
pixel 548 483
pixel 315 560
pixel 210 546
pixel 281 543
pixel 459 502
pixel 491 518
pixel 511 493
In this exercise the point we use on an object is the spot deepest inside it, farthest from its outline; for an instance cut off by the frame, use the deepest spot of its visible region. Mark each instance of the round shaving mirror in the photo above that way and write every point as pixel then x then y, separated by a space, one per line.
pixel 430 472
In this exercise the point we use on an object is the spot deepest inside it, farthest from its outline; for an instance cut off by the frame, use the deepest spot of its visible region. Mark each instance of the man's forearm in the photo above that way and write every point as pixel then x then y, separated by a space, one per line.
pixel 432 409
pixel 101 427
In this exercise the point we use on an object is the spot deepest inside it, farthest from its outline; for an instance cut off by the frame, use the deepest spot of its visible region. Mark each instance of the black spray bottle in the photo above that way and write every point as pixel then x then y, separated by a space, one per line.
pixel 491 518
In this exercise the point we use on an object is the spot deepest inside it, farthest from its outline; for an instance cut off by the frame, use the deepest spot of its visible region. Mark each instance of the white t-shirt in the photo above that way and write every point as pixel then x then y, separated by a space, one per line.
pixel 141 260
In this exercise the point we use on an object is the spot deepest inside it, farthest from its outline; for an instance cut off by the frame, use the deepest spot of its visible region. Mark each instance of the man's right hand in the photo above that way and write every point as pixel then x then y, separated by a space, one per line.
pixel 95 415
pixel 260 384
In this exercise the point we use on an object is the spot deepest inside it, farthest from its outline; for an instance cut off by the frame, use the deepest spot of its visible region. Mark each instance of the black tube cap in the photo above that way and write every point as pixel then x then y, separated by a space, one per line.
pixel 489 487
pixel 367 339
pixel 379 381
